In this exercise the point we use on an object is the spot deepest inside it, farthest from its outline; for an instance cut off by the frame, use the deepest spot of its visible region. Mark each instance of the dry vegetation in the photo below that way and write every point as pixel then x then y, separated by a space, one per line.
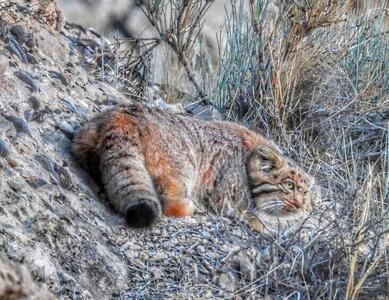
pixel 313 75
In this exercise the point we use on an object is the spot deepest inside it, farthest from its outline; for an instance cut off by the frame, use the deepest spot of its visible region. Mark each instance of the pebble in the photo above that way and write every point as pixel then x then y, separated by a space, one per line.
pixel 17 186
pixel 158 257
pixel 66 278
pixel 31 59
pixel 19 123
pixel 130 255
pixel 200 249
pixel 67 129
pixel 157 273
pixel 207 295
pixel 19 33
pixel 25 9
pixel 4 63
pixel 227 281
pixel 58 76
pixel 28 115
pixel 243 264
pixel 28 79
pixel 38 116
pixel 35 182
pixel 4 151
pixel 34 102
pixel 14 47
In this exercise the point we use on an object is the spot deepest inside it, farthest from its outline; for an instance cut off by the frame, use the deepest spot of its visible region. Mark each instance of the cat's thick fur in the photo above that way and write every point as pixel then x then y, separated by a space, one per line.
pixel 150 162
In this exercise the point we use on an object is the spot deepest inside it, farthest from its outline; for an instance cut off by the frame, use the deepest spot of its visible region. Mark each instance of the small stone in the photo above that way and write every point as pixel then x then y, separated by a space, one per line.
pixel 4 63
pixel 15 185
pixel 208 295
pixel 157 273
pixel 204 112
pixel 227 281
pixel 256 225
pixel 200 249
pixel 244 266
pixel 12 163
pixel 130 255
pixel 28 79
pixel 58 76
pixel 158 257
pixel 19 124
pixel 19 33
pixel 135 247
pixel 67 129
pixel 25 9
pixel 14 47
pixel 35 182
pixel 34 102
pixel 4 151
pixel 31 59
pixel 66 278
pixel 224 248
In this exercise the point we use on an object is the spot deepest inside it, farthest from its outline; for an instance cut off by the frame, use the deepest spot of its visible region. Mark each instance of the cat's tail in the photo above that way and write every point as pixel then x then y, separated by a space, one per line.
pixel 126 180
pixel 129 186
pixel 108 146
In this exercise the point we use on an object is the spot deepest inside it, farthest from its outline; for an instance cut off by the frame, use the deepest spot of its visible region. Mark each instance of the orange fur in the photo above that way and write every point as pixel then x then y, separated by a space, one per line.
pixel 177 210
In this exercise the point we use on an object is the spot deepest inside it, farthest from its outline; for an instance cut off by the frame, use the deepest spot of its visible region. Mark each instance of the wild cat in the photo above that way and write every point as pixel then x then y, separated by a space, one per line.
pixel 152 162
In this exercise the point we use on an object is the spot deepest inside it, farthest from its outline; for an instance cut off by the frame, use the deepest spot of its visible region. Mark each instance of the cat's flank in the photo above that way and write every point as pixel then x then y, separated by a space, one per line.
pixel 151 162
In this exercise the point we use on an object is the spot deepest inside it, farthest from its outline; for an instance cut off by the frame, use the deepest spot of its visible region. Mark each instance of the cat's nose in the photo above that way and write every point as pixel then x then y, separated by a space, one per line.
pixel 298 203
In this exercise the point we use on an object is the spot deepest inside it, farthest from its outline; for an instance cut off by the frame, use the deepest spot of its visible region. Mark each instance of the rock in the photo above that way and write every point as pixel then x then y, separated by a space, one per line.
pixel 35 182
pixel 15 48
pixel 200 249
pixel 208 295
pixel 19 33
pixel 158 257
pixel 19 124
pixel 4 151
pixel 31 59
pixel 67 129
pixel 227 281
pixel 28 79
pixel 204 112
pixel 131 255
pixel 34 102
pixel 243 264
pixel 3 66
pixel 157 273
pixel 59 76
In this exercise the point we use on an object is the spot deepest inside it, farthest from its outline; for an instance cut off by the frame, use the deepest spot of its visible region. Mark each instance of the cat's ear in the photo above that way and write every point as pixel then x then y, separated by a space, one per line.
pixel 266 159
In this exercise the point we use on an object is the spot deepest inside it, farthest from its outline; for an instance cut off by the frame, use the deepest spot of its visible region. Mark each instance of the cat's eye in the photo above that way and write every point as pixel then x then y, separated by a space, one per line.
pixel 289 185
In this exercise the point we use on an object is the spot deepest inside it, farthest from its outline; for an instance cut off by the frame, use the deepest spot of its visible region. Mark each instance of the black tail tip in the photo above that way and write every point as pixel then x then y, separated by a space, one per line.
pixel 142 214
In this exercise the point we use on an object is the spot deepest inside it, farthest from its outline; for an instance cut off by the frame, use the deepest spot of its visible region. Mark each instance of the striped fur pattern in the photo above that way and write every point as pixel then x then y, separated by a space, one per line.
pixel 150 162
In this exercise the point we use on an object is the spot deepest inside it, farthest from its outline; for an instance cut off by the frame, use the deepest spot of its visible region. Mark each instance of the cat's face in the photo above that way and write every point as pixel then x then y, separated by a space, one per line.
pixel 278 187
